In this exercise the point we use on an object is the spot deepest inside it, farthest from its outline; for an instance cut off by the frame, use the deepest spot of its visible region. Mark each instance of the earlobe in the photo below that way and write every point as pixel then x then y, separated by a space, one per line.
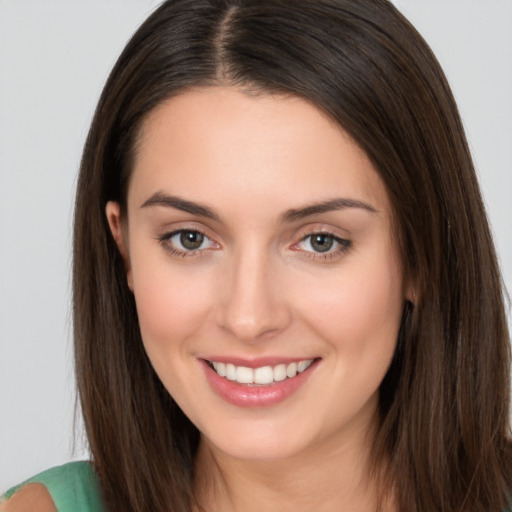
pixel 115 222
pixel 410 294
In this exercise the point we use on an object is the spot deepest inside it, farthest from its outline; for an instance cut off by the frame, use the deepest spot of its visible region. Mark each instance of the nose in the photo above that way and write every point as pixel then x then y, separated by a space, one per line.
pixel 253 305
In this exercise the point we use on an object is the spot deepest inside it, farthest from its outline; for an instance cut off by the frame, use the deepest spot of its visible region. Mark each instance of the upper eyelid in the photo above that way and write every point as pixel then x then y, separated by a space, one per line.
pixel 168 231
pixel 322 232
pixel 170 234
pixel 324 229
pixel 344 242
pixel 174 232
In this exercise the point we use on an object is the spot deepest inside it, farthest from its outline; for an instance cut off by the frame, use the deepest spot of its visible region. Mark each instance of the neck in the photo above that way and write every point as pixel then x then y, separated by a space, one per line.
pixel 327 478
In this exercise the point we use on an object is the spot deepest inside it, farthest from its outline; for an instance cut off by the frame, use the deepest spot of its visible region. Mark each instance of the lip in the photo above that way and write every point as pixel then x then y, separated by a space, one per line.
pixel 250 396
pixel 255 362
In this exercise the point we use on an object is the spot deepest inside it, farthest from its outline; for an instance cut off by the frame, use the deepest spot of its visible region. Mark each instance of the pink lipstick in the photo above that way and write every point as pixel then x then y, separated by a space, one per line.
pixel 257 383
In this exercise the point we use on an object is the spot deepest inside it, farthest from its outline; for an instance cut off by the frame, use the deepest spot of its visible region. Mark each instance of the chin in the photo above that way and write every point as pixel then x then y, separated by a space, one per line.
pixel 261 439
pixel 243 448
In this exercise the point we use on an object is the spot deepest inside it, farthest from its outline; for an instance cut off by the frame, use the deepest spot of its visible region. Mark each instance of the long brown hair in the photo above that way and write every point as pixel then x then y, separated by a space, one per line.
pixel 444 404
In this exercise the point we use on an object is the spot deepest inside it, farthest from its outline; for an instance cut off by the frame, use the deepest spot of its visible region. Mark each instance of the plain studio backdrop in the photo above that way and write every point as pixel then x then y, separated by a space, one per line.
pixel 54 58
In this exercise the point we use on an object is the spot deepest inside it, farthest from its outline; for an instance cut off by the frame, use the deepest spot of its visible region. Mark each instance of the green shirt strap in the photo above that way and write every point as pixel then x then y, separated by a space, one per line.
pixel 74 487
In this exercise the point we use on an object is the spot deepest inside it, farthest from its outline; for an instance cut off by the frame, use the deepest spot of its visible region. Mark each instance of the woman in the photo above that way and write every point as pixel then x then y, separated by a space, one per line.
pixel 285 290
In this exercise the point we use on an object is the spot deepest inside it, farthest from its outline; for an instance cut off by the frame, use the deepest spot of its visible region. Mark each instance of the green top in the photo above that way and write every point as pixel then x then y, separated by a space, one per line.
pixel 73 487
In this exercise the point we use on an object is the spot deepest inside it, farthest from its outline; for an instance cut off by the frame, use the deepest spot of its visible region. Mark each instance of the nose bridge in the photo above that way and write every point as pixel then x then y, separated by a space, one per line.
pixel 253 305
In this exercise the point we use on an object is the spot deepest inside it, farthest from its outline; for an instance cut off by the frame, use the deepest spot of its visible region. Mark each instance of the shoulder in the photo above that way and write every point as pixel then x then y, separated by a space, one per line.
pixel 29 498
pixel 73 487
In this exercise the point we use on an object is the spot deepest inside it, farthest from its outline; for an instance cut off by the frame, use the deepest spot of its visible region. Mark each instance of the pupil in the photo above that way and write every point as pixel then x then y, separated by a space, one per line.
pixel 191 239
pixel 322 243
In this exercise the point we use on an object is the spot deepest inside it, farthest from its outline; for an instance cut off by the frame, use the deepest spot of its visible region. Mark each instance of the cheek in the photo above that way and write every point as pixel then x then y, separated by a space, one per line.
pixel 360 309
pixel 171 303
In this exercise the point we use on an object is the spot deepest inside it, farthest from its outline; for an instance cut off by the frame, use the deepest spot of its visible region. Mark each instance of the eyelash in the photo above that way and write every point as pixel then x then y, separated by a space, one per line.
pixel 343 245
pixel 192 253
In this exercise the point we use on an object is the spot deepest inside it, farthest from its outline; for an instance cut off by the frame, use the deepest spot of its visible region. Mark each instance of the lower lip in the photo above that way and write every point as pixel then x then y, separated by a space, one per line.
pixel 244 395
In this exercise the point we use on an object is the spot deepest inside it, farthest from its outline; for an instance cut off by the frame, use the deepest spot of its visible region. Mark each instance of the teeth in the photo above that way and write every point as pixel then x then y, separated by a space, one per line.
pixel 291 371
pixel 280 372
pixel 220 368
pixel 304 365
pixel 231 371
pixel 263 375
pixel 244 375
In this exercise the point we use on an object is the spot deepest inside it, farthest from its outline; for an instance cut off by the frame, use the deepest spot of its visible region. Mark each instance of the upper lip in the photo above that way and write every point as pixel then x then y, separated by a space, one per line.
pixel 256 362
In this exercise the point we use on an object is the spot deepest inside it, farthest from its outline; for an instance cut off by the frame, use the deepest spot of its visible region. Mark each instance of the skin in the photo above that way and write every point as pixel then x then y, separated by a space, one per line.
pixel 29 499
pixel 257 287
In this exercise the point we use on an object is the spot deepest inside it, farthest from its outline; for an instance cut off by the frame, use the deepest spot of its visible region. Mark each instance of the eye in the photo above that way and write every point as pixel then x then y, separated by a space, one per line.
pixel 186 241
pixel 189 240
pixel 323 243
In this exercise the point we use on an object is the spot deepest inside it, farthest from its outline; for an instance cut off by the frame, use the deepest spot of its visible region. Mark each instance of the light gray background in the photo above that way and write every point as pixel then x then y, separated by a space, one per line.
pixel 54 58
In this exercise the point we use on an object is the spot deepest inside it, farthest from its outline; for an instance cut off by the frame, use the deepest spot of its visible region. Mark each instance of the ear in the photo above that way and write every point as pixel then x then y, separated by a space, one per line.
pixel 115 222
pixel 410 292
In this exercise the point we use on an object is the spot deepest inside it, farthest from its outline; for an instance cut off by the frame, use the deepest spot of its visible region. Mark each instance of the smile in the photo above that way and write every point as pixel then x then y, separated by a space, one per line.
pixel 262 383
pixel 260 376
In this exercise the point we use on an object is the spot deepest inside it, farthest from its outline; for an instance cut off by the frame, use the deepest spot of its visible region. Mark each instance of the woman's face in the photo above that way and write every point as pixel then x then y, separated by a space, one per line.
pixel 258 241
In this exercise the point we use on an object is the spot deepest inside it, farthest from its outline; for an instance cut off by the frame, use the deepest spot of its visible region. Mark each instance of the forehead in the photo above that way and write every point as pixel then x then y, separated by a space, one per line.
pixel 219 143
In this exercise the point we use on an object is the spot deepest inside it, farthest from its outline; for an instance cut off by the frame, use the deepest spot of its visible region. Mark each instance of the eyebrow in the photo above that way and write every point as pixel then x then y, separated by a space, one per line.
pixel 325 206
pixel 294 214
pixel 161 199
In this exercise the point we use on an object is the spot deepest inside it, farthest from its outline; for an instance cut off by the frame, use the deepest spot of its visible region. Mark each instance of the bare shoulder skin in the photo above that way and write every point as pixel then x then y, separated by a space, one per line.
pixel 33 497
